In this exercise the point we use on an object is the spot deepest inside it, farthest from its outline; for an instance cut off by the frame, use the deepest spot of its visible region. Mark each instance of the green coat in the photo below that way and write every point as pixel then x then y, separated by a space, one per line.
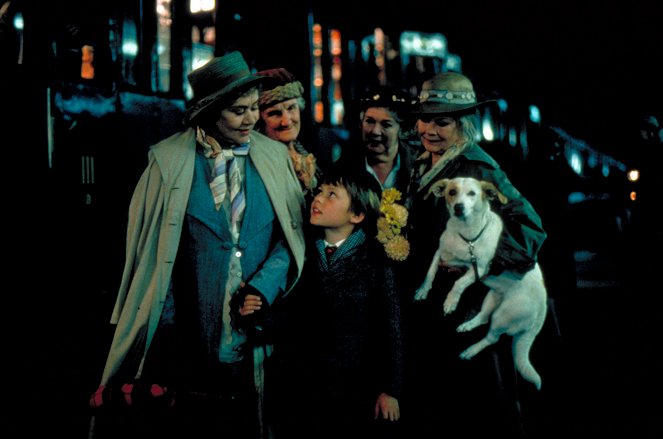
pixel 523 233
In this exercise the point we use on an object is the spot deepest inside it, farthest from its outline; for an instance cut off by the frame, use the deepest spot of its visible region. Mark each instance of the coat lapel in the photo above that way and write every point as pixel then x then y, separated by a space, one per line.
pixel 258 206
pixel 201 202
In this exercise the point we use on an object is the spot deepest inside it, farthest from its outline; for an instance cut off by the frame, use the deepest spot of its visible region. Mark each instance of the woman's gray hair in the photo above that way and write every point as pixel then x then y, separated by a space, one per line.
pixel 468 125
pixel 301 102
pixel 397 117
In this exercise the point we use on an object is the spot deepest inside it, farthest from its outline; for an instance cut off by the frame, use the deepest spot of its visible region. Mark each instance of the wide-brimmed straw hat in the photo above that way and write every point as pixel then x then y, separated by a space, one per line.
pixel 216 79
pixel 280 85
pixel 448 92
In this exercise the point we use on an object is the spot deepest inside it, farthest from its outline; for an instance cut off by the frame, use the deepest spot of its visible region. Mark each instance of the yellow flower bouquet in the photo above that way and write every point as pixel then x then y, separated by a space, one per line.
pixel 393 219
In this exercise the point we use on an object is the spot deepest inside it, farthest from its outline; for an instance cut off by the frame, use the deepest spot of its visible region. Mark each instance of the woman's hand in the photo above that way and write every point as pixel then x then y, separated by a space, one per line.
pixel 251 304
pixel 388 406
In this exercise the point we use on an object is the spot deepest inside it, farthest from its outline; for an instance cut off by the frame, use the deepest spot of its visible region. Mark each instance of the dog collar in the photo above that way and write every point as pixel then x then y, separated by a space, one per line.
pixel 470 244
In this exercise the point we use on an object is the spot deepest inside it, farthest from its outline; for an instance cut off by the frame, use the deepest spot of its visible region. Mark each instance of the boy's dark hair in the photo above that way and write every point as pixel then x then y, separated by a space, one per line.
pixel 364 191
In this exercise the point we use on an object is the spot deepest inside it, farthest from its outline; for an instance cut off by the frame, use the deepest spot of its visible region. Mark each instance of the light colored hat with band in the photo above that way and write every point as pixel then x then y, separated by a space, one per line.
pixel 217 79
pixel 448 92
pixel 280 85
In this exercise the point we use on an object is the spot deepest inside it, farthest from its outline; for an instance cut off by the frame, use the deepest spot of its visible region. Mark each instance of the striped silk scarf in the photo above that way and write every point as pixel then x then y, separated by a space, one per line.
pixel 226 174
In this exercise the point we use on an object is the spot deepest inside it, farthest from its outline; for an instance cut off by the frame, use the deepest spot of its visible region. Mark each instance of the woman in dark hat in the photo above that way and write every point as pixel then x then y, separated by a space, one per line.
pixel 383 147
pixel 214 236
pixel 451 395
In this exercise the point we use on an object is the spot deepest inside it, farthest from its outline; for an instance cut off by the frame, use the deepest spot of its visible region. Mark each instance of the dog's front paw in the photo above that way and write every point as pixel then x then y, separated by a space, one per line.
pixel 467 354
pixel 421 293
pixel 450 304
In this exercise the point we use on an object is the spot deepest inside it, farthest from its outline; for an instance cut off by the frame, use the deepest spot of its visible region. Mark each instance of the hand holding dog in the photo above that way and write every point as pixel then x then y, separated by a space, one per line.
pixel 451 268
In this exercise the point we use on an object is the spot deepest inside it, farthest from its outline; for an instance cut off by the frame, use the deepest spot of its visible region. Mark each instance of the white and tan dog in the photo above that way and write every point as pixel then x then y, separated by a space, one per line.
pixel 515 305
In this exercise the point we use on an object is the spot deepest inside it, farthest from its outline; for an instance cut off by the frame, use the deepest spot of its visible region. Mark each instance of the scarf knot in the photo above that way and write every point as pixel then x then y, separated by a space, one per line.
pixel 225 174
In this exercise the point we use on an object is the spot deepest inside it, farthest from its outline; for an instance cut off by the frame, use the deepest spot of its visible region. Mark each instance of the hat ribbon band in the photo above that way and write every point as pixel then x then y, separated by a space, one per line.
pixel 448 97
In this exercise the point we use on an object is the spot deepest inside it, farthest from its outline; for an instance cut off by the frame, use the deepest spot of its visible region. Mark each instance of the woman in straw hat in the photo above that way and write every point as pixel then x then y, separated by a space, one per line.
pixel 453 395
pixel 215 235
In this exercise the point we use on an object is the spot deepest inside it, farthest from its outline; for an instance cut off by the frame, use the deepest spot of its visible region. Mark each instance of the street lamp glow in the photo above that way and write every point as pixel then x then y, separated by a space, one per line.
pixel 487 127
pixel 18 21
pixel 534 114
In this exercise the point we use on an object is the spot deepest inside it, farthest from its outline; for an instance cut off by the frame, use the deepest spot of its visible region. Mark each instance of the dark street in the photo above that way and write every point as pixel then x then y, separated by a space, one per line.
pixel 596 354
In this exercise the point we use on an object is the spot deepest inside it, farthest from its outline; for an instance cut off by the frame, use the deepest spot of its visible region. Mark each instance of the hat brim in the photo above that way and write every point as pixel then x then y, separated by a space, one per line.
pixel 445 108
pixel 201 105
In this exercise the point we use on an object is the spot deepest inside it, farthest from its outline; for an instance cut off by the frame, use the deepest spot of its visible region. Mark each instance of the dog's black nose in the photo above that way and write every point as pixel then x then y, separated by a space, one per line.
pixel 458 209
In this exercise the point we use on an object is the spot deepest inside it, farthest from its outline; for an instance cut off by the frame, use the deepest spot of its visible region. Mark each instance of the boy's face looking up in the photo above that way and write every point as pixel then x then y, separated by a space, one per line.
pixel 331 210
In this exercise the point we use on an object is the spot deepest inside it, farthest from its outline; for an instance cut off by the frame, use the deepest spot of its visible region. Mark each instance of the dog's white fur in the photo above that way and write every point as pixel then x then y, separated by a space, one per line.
pixel 515 305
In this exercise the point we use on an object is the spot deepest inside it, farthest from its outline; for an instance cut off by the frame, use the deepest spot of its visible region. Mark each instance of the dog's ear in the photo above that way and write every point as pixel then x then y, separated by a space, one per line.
pixel 491 191
pixel 438 188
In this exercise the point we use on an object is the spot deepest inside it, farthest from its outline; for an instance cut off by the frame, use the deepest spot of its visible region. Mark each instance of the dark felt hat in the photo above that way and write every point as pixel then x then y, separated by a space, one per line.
pixel 216 79
pixel 448 92
pixel 386 96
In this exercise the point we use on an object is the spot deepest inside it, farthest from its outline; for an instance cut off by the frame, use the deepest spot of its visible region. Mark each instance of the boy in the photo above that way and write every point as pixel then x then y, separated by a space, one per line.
pixel 341 352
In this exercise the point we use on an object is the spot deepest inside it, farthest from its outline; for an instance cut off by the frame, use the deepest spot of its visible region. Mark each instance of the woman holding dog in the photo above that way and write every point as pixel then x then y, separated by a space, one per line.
pixel 446 394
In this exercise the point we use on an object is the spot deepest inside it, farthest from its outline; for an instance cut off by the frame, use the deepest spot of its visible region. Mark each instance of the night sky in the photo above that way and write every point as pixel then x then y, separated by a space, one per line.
pixel 593 67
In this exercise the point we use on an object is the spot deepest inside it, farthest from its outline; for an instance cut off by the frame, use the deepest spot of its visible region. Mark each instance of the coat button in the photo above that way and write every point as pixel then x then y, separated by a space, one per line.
pixel 238 254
